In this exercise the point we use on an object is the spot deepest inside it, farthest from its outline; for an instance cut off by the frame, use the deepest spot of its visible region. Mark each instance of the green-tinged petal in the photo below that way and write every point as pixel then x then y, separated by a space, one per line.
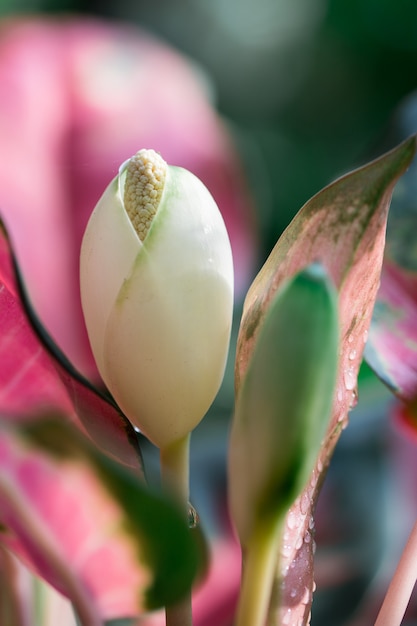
pixel 167 336
pixel 108 251
pixel 284 402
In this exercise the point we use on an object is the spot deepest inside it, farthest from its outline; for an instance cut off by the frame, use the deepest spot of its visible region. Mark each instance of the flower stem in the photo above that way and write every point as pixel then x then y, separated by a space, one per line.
pixel 259 564
pixel 175 478
pixel 40 537
pixel 401 586
pixel 175 469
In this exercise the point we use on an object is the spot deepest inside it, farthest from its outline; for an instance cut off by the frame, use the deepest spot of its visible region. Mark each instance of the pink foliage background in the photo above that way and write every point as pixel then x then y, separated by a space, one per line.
pixel 79 97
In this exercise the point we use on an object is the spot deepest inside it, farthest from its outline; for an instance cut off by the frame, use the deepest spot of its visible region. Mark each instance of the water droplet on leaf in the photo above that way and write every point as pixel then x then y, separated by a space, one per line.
pixel 350 378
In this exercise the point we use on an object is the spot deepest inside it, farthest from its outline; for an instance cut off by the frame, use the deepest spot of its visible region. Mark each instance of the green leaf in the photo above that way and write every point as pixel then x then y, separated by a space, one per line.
pixel 285 399
pixel 169 547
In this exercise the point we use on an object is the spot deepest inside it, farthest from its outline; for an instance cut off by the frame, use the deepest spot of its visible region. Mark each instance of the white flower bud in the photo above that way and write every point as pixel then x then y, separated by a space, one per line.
pixel 157 294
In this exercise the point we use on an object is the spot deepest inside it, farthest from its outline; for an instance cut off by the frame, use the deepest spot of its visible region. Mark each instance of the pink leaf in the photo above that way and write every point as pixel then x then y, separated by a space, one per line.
pixel 61 521
pixel 343 227
pixel 59 517
pixel 392 347
pixel 28 379
pixel 63 511
pixel 35 376
pixel 13 603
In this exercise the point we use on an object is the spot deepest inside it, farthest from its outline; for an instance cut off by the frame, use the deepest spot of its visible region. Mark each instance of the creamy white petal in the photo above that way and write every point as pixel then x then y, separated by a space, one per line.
pixel 167 336
pixel 108 251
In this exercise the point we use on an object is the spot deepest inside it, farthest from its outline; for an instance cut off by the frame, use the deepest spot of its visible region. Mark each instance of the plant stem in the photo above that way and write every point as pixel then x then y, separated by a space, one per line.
pixel 401 586
pixel 175 462
pixel 259 564
pixel 179 614
pixel 175 468
pixel 39 536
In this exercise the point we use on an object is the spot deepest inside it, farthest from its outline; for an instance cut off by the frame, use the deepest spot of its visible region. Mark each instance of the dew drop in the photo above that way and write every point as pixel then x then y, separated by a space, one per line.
pixel 350 379
pixel 286 549
pixel 291 520
pixel 307 537
pixel 352 355
pixel 304 504
pixel 340 395
pixel 350 339
pixel 299 542
pixel 354 399
pixel 306 596
pixel 320 466
pixel 287 617
pixel 365 336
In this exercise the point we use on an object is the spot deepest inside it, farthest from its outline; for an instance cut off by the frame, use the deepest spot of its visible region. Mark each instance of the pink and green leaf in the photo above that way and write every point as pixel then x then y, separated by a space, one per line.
pixel 392 347
pixel 342 227
pixel 13 607
pixel 35 375
pixel 86 524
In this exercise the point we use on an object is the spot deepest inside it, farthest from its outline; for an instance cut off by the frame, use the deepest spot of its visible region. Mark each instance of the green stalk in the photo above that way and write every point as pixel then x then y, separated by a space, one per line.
pixel 259 565
pixel 175 468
